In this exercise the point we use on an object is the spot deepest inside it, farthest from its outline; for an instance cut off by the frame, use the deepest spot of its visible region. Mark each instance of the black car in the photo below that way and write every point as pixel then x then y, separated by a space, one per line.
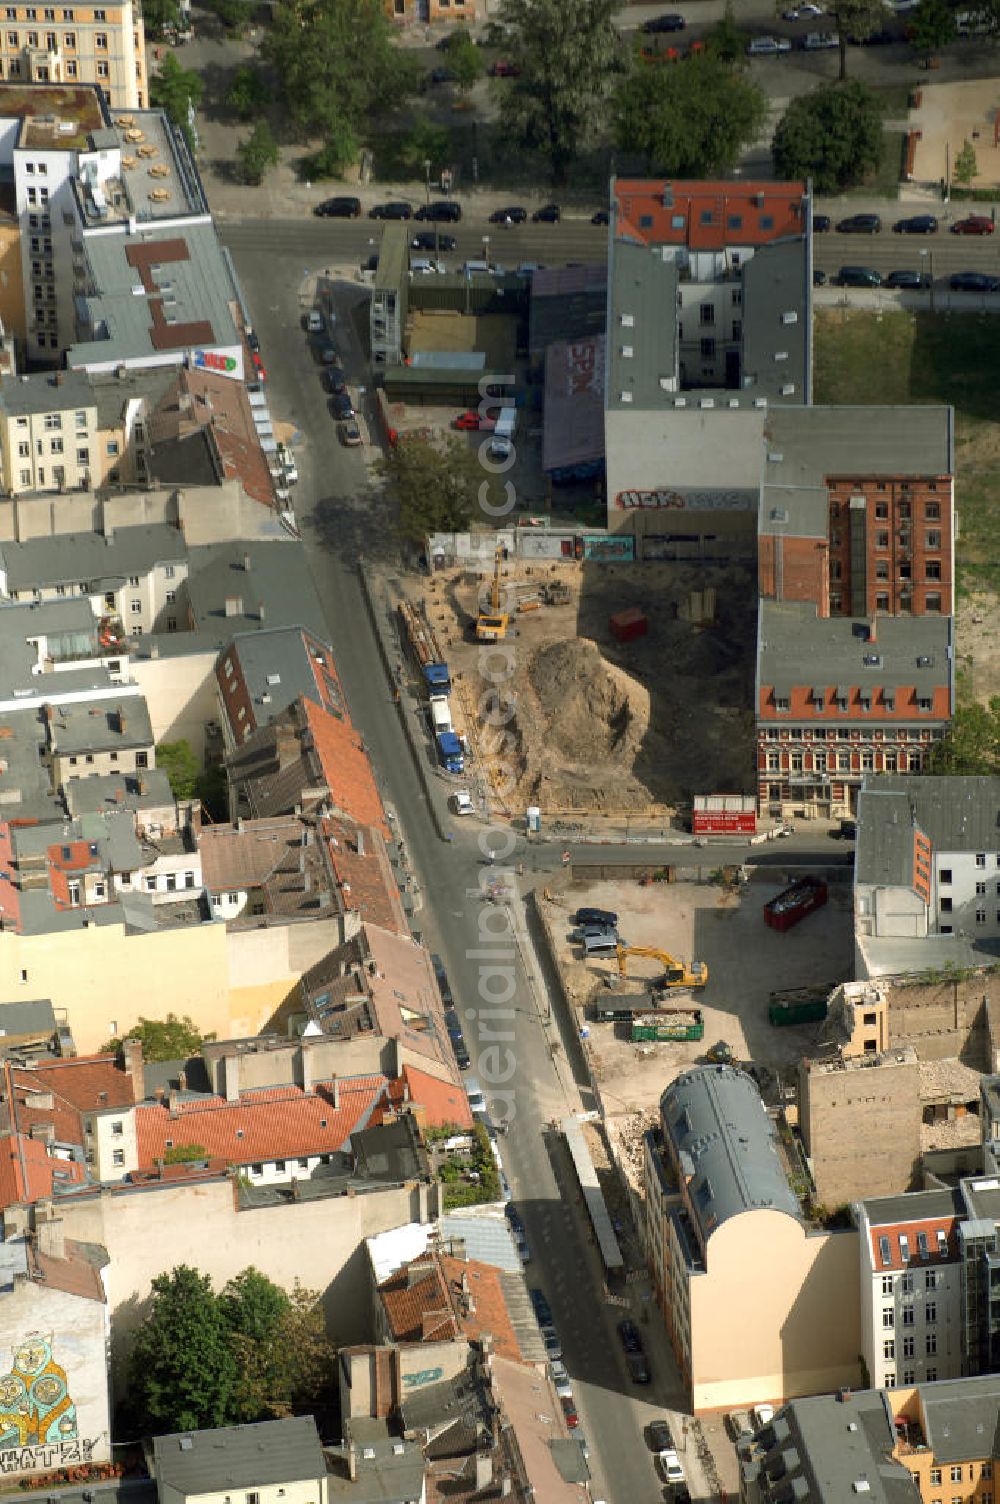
pixel 602 217
pixel 635 1357
pixel 908 281
pixel 253 341
pixel 543 1311
pixel 660 1439
pixel 341 406
pixel 339 208
pixel 548 214
pixel 629 1334
pixel 917 224
pixel 513 214
pixel 603 918
pixel 819 277
pixel 973 282
pixel 371 264
pixel 461 1054
pixel 444 986
pixel 433 240
pixel 444 210
pixel 859 224
pixel 395 209
pixel 821 224
pixel 669 22
pixel 333 380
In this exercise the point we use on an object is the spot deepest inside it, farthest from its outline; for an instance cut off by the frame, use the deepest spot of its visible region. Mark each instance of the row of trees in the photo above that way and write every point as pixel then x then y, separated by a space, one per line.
pixel 203 1358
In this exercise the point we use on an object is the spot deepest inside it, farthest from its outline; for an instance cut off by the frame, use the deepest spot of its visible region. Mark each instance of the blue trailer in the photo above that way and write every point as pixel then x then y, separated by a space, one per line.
pixel 451 753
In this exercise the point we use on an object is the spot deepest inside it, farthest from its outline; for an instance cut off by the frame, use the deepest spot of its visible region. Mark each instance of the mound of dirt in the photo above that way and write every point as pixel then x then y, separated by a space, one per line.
pixel 593 712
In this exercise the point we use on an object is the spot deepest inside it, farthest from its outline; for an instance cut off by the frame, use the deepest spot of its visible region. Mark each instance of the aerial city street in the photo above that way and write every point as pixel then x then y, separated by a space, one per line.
pixel 500 752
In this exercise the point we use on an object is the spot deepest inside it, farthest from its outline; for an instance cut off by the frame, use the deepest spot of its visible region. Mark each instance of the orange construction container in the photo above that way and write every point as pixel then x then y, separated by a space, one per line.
pixel 629 624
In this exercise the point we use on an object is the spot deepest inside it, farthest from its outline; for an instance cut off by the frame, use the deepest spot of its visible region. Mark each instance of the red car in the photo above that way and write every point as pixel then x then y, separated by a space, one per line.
pixel 975 224
pixel 258 365
pixel 471 422
pixel 504 70
pixel 569 1413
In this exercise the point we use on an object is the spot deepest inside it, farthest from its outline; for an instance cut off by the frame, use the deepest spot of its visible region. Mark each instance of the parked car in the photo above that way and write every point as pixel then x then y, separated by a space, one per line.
pixel 859 224
pixel 821 224
pixel 253 341
pixel 441 976
pixel 432 240
pixel 820 41
pixel 804 12
pixel 350 433
pixel 671 1468
pixel 474 1092
pixel 512 214
pixel 285 460
pixel 503 69
pixel 314 322
pixel 548 214
pixel 569 1411
pixel 342 407
pixel 635 1357
pixel 553 1347
pixel 916 224
pixel 441 76
pixel 973 224
pixel 907 281
pixel 563 1387
pixel 333 379
pixel 973 282
pixel 668 22
pixel 461 803
pixel 858 276
pixel 471 422
pixel 539 1301
pixel 445 210
pixel 420 266
pixel 768 46
pixel 660 1437
pixel 558 1372
pixel 344 207
pixel 606 917
pixel 819 277
pixel 601 217
pixel 394 209
pixel 257 361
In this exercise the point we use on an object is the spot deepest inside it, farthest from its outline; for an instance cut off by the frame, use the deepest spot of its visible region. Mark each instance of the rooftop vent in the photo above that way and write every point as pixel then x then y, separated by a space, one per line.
pixel 925 660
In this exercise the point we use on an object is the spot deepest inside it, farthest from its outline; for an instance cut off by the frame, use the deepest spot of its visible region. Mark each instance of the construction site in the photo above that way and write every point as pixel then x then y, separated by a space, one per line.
pixel 659 662
pixel 696 982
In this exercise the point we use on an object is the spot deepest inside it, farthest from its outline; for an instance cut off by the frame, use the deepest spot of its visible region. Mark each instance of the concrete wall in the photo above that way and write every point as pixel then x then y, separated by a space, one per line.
pixel 776 1315
pixel 716 449
pixel 180 694
pixel 265 964
pixel 105 980
pixel 11 290
pixel 63 1338
pixel 944 1018
pixel 861 1128
pixel 320 1242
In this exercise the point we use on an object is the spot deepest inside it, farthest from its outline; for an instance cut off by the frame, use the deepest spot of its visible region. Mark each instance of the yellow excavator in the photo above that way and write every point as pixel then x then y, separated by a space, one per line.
pixel 675 974
pixel 492 624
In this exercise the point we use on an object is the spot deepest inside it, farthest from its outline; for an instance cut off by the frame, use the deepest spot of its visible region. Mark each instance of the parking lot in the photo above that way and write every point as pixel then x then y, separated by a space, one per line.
pixel 725 929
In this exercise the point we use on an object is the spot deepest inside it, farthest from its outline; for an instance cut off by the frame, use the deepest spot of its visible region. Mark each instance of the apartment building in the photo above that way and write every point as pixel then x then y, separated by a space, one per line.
pixel 78 44
pixel 857 510
pixel 840 698
pixel 928 863
pixel 277 1461
pixel 742 1280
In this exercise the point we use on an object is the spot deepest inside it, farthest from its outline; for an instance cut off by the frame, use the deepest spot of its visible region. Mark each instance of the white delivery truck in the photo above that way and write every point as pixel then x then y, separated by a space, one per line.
pixel 501 445
pixel 440 714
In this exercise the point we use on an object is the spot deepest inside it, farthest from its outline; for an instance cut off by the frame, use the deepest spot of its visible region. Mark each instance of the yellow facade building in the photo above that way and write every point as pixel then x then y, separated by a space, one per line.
pixel 78 44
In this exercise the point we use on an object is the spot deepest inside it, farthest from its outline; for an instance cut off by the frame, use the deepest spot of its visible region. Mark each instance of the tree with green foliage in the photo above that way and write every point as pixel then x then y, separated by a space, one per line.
pixel 234 14
pixel 337 69
pixel 178 761
pixel 966 167
pixel 426 141
pixel 257 154
pixel 856 21
pixel 691 120
pixel 433 486
pixel 465 60
pixel 724 40
pixel 248 93
pixel 183 1372
pixel 557 103
pixel 931 26
pixel 176 90
pixel 169 1038
pixel 833 135
pixel 971 745
pixel 158 15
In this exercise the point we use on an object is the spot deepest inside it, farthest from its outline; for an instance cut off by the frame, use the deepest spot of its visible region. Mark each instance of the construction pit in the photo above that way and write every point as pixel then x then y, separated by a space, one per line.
pixel 722 926
pixel 596 725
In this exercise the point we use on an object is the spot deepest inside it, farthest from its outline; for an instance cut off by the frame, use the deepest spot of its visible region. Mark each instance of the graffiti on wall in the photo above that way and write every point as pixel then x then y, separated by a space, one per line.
pixel 36 1407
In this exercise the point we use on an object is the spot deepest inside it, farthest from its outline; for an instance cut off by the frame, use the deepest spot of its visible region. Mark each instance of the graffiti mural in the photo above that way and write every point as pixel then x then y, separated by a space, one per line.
pixel 36 1407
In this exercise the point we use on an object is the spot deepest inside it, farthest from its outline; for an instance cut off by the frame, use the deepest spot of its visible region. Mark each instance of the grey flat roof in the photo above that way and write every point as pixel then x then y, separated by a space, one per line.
pixel 798 649
pixel 116 791
pixel 276 664
pixel 48 392
pixel 643 288
pixel 956 814
pixel 775 307
pixel 915 1206
pixel 36 1017
pixel 393 256
pixel 25 781
pixel 71 630
pixel 101 726
pixel 91 558
pixel 279 578
pixel 806 446
pixel 832 1450
pixel 200 287
pixel 272 1452
pixel 726 1145
pixel 898 956
pixel 961 1417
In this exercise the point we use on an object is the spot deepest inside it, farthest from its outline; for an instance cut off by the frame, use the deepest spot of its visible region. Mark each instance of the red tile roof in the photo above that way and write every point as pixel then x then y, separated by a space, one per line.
pixel 28 1173
pixel 346 768
pixel 10 899
pixel 72 1273
pixel 90 1083
pixel 443 1102
pixel 361 867
pixel 438 1297
pixel 911 1231
pixel 277 1123
pixel 708 216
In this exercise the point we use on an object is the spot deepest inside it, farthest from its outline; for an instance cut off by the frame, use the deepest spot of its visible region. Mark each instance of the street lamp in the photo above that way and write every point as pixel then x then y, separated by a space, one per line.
pixel 929 255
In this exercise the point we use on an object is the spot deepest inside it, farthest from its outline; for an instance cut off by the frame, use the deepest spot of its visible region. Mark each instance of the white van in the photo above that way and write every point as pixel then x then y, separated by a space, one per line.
pixel 604 944
pixel 483 267
pixel 501 445
pixel 440 714
pixel 421 267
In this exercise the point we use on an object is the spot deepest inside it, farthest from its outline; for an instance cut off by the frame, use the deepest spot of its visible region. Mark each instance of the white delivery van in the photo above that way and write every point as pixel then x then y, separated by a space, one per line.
pixel 501 445
pixel 440 714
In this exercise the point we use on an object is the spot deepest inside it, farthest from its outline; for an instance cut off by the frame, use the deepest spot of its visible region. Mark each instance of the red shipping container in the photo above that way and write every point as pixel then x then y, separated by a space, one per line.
pixel 724 815
pixel 629 624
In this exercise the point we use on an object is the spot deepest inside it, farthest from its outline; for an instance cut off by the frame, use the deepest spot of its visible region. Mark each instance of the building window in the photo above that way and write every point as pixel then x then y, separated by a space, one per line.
pixel 930 1375
pixel 112 447
pixel 882 511
pixel 987 1470
pixel 886 1278
pixel 944 876
pixel 881 540
pixel 889 1349
pixel 171 597
pixel 101 41
pixel 118 1156
pixel 935 1476
pixel 956 1474
pixel 888 1318
pixel 930 1344
pixel 930 1280
pixel 83 456
pixel 103 70
pixel 142 759
pixel 136 608
pixel 908 1344
pixel 890 1381
pixel 932 511
pixel 168 572
pixel 980 858
pixel 907 1315
pixel 980 916
pixel 256 1169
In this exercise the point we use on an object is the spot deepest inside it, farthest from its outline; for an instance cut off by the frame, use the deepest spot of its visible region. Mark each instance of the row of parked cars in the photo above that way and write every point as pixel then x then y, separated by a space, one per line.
pixel 866 276
pixel 317 327
pixel 913 224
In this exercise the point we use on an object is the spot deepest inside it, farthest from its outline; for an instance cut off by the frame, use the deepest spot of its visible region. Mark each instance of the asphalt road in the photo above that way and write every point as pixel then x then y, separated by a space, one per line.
pixel 339 524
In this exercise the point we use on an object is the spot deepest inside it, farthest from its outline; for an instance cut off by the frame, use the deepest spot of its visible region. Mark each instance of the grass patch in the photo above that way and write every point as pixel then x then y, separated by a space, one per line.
pixel 895 98
pixel 884 181
pixel 934 358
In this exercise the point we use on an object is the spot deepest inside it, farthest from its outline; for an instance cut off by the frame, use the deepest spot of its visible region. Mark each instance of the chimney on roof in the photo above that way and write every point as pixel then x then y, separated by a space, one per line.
pixel 122 722
pixel 261 612
pixel 133 1068
pixel 484 1469
pixel 234 605
pixel 246 563
pixel 872 630
pixel 231 1076
pixel 305 1061
pixel 109 533
pixel 359 841
pixel 296 1196
pixel 182 1080
pixel 142 785
pixel 172 1102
